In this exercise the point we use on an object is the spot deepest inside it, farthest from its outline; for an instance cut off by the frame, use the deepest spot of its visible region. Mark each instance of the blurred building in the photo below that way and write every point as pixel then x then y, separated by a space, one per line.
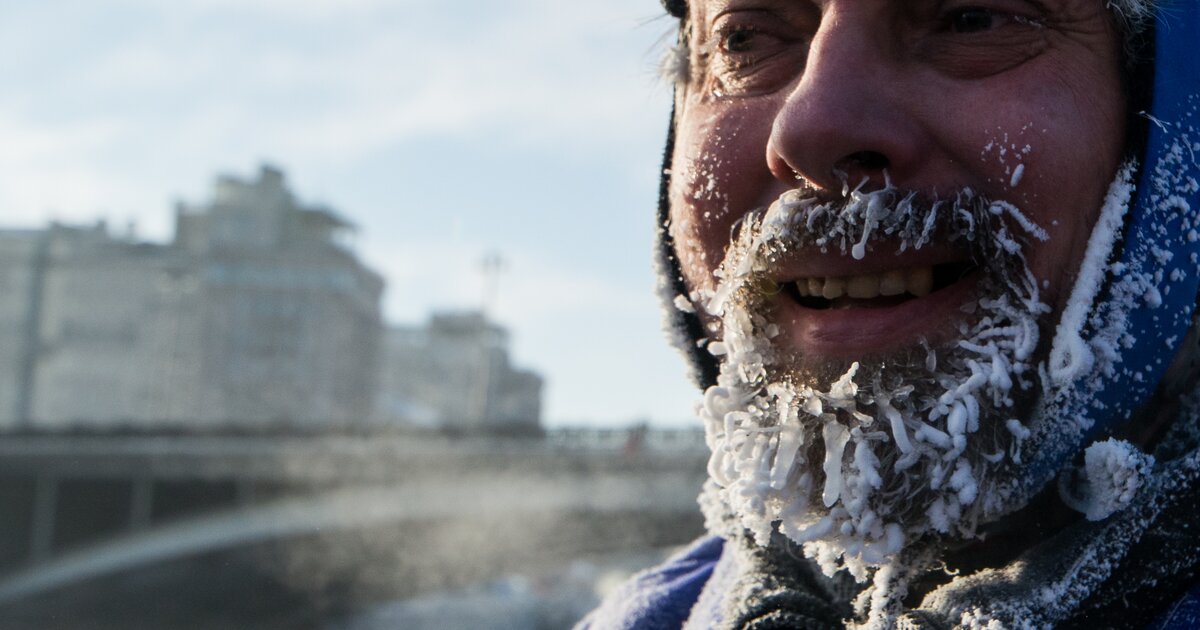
pixel 91 318
pixel 454 373
pixel 291 319
pixel 257 314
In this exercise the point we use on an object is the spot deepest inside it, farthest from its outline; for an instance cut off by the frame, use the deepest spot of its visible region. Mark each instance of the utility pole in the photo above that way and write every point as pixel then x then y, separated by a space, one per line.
pixel 31 343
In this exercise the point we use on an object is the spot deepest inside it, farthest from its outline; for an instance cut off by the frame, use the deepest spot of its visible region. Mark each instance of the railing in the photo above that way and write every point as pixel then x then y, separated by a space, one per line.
pixel 69 491
pixel 635 439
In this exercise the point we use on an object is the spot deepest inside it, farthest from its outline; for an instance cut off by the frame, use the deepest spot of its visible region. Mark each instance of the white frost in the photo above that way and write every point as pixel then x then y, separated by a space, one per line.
pixel 1070 356
pixel 1115 470
pixel 836 436
pixel 1016 176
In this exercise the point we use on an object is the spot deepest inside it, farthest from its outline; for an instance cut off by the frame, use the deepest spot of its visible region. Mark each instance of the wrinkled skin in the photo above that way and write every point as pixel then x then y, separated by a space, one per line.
pixel 933 96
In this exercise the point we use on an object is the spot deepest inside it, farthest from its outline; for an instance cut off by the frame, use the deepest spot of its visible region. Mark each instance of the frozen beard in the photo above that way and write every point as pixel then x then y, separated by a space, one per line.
pixel 855 461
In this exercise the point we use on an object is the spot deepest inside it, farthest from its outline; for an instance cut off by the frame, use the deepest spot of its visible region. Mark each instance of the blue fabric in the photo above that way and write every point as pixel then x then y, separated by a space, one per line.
pixel 1183 615
pixel 1176 87
pixel 1161 232
pixel 660 598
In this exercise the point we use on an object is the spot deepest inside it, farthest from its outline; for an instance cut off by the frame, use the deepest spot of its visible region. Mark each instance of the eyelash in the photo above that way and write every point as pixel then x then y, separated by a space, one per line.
pixel 727 37
pixel 952 20
pixel 737 56
pixel 998 17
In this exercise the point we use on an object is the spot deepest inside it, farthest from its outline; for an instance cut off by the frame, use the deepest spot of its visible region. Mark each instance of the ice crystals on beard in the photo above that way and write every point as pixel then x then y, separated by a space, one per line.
pixel 807 461
pixel 851 223
pixel 835 436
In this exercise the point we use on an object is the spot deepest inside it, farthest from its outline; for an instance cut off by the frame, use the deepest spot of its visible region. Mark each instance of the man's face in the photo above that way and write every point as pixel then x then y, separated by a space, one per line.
pixel 1019 101
pixel 934 172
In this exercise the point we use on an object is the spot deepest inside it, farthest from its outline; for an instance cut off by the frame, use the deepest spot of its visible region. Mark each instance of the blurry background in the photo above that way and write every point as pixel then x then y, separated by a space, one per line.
pixel 332 314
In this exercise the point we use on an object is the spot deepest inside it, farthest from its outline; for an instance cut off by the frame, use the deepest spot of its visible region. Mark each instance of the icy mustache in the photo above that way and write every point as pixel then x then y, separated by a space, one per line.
pixel 847 223
pixel 805 218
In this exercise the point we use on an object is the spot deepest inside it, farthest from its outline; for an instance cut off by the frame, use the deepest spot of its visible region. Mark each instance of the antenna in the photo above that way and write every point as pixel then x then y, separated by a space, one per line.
pixel 491 267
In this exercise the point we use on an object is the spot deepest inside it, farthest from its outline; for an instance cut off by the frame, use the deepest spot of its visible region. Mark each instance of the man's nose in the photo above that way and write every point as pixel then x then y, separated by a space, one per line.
pixel 846 118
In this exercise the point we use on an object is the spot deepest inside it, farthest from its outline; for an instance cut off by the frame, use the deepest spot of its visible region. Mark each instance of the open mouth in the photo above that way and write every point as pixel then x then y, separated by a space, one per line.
pixel 875 290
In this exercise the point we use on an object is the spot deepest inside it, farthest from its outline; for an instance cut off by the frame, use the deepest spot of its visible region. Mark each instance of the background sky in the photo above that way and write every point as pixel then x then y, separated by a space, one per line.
pixel 532 128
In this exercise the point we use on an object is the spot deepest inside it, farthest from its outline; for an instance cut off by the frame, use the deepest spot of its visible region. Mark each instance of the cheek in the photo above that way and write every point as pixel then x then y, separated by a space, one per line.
pixel 1052 154
pixel 719 173
pixel 1073 194
pixel 1067 206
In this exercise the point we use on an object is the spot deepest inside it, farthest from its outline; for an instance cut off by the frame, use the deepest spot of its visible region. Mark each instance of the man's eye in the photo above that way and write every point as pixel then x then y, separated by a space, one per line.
pixel 972 41
pixel 972 20
pixel 739 41
pixel 752 52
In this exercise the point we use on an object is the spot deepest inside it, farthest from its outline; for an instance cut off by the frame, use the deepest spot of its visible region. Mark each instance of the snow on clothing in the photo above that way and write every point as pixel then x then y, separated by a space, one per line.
pixel 1131 570
pixel 1135 569
pixel 1134 563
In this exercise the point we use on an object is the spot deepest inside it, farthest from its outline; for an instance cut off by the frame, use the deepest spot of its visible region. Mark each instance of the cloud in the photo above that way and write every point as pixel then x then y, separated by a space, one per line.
pixel 122 105
pixel 370 74
pixel 317 82
pixel 533 288
pixel 38 181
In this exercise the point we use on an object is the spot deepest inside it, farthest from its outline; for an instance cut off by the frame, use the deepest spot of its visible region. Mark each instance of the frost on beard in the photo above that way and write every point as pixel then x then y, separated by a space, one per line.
pixel 853 466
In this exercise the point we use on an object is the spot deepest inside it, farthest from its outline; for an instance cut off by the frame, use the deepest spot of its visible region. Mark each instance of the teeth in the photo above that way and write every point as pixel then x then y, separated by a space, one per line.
pixel 917 281
pixel 892 283
pixel 920 281
pixel 816 286
pixel 863 287
pixel 834 288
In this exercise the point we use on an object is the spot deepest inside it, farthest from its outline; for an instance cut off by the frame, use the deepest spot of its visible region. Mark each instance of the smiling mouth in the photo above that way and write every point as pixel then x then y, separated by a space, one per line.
pixel 875 290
